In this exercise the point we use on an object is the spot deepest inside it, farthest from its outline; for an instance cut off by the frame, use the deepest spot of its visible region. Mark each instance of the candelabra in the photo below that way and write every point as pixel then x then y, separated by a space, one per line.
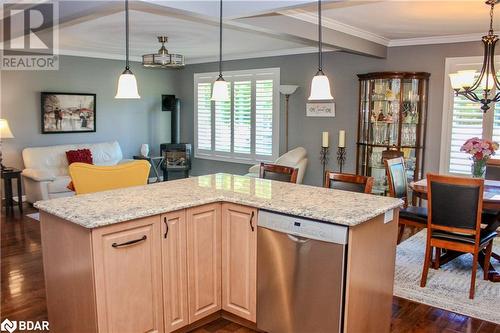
pixel 323 157
pixel 341 157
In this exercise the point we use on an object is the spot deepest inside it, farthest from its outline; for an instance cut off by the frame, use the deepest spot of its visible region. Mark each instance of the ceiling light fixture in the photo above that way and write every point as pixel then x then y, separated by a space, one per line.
pixel 465 83
pixel 127 84
pixel 320 85
pixel 220 90
pixel 163 59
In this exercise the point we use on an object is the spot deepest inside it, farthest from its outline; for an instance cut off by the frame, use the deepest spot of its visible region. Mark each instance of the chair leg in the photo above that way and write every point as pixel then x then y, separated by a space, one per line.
pixel 427 262
pixel 473 277
pixel 487 258
pixel 437 264
pixel 401 232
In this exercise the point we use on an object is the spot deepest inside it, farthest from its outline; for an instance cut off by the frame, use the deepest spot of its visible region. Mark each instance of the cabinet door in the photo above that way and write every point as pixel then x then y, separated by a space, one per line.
pixel 239 260
pixel 175 294
pixel 204 260
pixel 127 263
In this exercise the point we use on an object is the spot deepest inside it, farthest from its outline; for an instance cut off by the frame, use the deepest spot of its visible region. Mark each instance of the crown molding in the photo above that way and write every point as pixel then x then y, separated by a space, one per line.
pixel 476 37
pixel 306 16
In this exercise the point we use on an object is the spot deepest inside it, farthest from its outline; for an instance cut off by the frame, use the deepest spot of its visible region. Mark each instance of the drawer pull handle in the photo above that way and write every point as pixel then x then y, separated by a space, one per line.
pixel 166 225
pixel 251 221
pixel 116 245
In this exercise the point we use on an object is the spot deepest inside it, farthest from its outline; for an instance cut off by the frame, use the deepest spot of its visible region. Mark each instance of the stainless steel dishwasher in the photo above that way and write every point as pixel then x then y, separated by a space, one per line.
pixel 300 274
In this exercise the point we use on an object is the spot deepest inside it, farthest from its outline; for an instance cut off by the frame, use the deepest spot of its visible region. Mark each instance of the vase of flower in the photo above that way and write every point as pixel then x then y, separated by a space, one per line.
pixel 481 151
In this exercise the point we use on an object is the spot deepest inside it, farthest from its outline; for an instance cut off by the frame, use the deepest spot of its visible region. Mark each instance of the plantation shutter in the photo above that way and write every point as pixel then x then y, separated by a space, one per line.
pixel 223 125
pixel 242 134
pixel 264 117
pixel 204 123
pixel 467 123
pixel 496 125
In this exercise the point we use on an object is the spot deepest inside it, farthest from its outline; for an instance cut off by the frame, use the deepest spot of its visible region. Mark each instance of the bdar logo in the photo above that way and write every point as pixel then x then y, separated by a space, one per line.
pixel 8 325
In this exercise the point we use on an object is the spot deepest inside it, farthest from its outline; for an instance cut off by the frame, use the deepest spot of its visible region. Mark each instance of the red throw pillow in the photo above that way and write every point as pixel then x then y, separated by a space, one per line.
pixel 79 155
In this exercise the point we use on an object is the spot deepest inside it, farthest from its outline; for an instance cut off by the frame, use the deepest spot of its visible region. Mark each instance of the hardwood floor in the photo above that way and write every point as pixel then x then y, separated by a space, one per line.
pixel 23 294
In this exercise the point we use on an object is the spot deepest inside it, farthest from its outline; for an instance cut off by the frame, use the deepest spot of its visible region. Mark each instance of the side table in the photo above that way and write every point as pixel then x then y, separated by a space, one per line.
pixel 7 176
pixel 155 162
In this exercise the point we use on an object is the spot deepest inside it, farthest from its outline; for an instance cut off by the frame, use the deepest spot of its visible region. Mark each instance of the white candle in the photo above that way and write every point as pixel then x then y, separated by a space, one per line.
pixel 324 142
pixel 342 139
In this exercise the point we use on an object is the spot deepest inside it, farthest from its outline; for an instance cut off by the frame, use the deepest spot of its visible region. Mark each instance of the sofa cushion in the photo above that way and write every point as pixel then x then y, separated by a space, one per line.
pixel 60 184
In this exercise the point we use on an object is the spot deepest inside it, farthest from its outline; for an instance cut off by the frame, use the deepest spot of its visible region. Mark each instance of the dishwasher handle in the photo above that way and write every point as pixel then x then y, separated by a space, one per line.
pixel 300 240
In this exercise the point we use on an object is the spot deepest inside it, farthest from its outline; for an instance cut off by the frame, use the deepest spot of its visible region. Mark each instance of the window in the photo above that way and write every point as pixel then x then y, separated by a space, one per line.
pixel 245 129
pixel 463 119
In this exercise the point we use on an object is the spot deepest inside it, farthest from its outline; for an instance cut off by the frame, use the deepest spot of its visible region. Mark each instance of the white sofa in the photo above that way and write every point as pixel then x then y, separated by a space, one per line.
pixel 46 174
pixel 295 158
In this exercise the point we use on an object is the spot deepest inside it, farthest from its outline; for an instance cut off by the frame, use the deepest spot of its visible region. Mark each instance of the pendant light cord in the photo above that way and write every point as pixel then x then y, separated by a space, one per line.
pixel 127 67
pixel 320 40
pixel 220 41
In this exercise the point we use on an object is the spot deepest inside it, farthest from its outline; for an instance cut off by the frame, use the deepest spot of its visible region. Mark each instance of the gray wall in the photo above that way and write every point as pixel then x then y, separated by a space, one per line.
pixel 131 122
pixel 342 69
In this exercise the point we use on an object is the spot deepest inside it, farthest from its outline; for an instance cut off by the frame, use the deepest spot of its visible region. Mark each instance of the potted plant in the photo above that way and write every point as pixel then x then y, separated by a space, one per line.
pixel 481 151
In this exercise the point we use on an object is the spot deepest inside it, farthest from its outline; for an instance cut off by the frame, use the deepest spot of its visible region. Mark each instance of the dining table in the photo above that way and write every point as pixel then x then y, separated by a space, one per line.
pixel 491 204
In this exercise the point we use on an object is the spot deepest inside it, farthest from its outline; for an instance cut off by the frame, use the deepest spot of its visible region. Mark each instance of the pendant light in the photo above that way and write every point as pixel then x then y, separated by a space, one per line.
pixel 320 85
pixel 127 84
pixel 220 91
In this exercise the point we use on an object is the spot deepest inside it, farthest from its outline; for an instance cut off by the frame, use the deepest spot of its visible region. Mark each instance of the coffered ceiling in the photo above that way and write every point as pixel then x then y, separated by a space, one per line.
pixel 265 27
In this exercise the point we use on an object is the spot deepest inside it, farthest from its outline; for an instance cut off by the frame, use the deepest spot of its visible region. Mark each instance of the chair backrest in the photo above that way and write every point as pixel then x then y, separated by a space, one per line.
pixel 455 204
pixel 396 177
pixel 278 172
pixel 89 178
pixel 348 182
pixel 493 169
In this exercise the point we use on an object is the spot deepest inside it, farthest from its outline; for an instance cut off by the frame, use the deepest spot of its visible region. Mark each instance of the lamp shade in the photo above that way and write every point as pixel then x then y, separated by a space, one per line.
pixel 467 77
pixel 127 86
pixel 456 81
pixel 220 91
pixel 320 88
pixel 5 132
pixel 287 89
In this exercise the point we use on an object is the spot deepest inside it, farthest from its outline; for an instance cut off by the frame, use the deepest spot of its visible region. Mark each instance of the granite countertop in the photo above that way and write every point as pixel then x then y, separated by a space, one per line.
pixel 108 207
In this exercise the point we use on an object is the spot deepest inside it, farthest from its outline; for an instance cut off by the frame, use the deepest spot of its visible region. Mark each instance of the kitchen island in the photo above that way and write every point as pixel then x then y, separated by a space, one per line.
pixel 175 255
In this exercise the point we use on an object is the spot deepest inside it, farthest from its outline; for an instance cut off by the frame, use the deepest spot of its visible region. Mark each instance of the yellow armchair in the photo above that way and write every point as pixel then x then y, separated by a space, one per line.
pixel 89 178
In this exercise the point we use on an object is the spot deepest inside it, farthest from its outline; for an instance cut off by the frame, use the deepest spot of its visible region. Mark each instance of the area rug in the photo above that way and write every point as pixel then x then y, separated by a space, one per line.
pixel 448 287
pixel 34 216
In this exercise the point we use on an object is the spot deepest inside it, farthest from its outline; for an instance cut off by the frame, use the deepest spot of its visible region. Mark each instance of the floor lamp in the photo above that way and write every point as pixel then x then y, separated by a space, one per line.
pixel 287 90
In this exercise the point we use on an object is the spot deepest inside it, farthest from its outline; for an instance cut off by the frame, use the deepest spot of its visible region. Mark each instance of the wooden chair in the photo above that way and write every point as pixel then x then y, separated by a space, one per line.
pixel 88 178
pixel 493 169
pixel 454 222
pixel 348 182
pixel 278 172
pixel 398 188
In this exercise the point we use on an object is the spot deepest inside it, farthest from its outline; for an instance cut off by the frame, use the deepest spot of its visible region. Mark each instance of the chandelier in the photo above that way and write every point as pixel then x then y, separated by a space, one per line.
pixel 467 82
pixel 163 59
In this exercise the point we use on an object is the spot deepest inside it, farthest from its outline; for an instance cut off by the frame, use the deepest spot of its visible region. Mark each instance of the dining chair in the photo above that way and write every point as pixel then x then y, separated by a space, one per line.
pixel 278 172
pixel 398 188
pixel 493 169
pixel 348 182
pixel 88 178
pixel 454 221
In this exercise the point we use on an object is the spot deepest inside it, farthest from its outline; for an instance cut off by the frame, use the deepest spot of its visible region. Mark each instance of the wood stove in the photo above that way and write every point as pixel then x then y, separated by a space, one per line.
pixel 177 158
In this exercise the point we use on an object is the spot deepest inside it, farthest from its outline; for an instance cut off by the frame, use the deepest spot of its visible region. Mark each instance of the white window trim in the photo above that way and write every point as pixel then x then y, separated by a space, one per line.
pixel 451 66
pixel 252 158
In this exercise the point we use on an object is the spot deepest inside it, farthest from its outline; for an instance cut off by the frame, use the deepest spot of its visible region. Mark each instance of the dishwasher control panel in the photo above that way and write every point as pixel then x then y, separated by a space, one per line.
pixel 302 227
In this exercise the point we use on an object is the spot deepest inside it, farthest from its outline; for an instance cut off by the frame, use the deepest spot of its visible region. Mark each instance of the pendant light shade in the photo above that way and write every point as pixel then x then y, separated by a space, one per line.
pixel 320 85
pixel 220 90
pixel 127 86
pixel 127 83
pixel 320 88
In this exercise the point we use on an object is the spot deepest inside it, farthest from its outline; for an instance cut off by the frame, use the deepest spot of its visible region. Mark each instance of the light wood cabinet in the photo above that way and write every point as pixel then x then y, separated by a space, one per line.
pixel 127 268
pixel 174 260
pixel 239 260
pixel 204 260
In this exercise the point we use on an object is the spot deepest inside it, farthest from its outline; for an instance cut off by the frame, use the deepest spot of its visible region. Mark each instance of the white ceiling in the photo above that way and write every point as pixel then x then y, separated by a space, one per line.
pixel 96 28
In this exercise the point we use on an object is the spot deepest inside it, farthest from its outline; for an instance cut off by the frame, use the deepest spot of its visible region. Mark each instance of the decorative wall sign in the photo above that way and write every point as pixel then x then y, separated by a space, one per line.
pixel 68 112
pixel 320 109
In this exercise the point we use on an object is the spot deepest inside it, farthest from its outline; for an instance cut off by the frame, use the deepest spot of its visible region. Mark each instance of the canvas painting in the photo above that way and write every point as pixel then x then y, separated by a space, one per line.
pixel 68 112
pixel 317 109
